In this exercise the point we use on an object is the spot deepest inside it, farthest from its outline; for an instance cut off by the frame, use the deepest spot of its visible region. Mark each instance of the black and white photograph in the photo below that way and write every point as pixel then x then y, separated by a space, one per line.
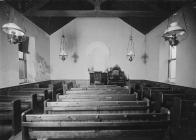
pixel 98 70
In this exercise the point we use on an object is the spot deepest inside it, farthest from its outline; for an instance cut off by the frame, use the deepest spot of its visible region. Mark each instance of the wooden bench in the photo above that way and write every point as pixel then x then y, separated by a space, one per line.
pixel 166 99
pixel 184 110
pixel 146 91
pixel 103 86
pixel 97 97
pixel 85 126
pixel 99 87
pixel 27 101
pixel 149 92
pixel 101 91
pixel 10 112
pixel 183 118
pixel 96 103
pixel 42 93
pixel 86 116
pixel 96 106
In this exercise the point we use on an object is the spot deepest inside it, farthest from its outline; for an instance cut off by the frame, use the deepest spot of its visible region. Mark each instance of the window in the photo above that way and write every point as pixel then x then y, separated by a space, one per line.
pixel 22 67
pixel 22 55
pixel 172 64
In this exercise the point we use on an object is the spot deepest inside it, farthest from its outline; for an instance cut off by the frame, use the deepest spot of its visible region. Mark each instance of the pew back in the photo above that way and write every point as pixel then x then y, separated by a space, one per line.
pixel 100 91
pixel 85 126
pixel 96 106
pixel 10 115
pixel 97 97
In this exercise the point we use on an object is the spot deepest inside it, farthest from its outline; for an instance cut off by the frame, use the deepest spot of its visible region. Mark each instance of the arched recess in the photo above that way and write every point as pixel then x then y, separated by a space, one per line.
pixel 98 56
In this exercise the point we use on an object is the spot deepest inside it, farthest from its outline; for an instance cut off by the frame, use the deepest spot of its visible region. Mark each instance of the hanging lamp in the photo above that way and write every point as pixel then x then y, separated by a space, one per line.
pixel 130 49
pixel 14 32
pixel 63 54
pixel 173 31
pixel 145 55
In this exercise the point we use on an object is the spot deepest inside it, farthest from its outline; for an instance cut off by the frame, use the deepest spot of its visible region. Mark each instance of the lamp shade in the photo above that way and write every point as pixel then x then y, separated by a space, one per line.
pixel 173 30
pixel 63 55
pixel 130 55
pixel 13 29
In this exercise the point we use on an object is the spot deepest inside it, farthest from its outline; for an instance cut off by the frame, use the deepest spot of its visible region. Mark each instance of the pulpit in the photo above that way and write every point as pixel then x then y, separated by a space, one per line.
pixel 98 78
pixel 116 76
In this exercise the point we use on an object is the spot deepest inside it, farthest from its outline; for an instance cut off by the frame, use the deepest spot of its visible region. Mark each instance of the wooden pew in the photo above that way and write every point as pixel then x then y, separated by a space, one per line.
pixel 184 111
pixel 104 86
pixel 100 126
pixel 91 115
pixel 27 101
pixel 148 93
pixel 97 97
pixel 101 91
pixel 96 106
pixel 96 103
pixel 42 93
pixel 183 119
pixel 10 117
pixel 98 87
pixel 34 89
pixel 166 99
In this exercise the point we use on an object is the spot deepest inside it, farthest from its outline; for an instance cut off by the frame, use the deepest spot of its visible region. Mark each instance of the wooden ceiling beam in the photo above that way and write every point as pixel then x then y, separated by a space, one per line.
pixel 154 7
pixel 93 13
pixel 39 4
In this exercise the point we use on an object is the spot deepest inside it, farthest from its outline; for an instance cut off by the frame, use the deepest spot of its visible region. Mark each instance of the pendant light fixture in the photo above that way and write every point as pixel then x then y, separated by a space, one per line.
pixel 145 55
pixel 63 54
pixel 130 48
pixel 174 30
pixel 14 32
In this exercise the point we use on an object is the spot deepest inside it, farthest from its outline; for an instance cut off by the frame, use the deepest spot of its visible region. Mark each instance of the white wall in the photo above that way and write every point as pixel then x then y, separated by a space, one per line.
pixel 113 33
pixel 9 66
pixel 157 68
pixel 82 33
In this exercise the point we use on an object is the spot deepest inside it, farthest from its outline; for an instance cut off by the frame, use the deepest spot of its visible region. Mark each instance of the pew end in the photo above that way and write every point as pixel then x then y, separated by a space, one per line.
pixel 16 125
pixel 25 135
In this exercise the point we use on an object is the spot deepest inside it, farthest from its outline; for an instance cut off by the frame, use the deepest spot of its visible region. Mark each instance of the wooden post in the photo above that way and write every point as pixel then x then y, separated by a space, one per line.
pixel 51 91
pixel 57 97
pixel 176 112
pixel 16 125
pixel 176 117
pixel 25 135
pixel 46 95
pixel 45 105
pixel 34 102
pixel 64 88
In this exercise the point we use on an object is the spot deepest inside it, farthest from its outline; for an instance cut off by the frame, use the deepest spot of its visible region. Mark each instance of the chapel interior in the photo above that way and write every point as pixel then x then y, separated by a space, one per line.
pixel 97 69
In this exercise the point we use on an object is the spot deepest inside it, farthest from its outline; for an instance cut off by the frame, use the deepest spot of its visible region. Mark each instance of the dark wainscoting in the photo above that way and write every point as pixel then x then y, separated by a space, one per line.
pixel 41 84
pixel 58 85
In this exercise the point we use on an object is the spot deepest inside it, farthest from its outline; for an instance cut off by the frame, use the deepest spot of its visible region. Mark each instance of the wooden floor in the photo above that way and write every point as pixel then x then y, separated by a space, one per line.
pixel 17 137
